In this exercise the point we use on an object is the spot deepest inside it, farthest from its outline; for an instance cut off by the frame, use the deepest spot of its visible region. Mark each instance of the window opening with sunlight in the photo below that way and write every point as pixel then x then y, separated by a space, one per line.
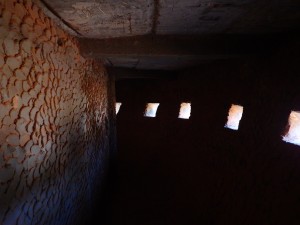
pixel 234 116
pixel 151 109
pixel 293 132
pixel 118 106
pixel 185 110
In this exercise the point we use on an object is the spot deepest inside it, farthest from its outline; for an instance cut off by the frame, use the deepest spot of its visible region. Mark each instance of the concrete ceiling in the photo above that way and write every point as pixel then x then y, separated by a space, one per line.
pixel 120 18
pixel 131 21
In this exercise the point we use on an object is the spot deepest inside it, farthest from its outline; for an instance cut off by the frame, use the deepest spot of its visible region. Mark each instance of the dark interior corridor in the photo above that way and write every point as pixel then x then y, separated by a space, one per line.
pixel 176 171
pixel 67 157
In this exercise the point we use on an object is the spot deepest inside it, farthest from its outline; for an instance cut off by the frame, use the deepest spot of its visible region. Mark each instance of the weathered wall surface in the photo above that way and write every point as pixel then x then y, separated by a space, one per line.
pixel 195 171
pixel 56 120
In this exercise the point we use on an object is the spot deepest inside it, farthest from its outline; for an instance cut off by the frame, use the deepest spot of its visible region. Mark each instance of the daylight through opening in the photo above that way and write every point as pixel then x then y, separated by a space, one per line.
pixel 151 109
pixel 185 110
pixel 118 106
pixel 293 133
pixel 234 116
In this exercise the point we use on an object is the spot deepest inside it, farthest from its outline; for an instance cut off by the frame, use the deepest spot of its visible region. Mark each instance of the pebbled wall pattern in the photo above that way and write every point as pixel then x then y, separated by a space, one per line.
pixel 56 120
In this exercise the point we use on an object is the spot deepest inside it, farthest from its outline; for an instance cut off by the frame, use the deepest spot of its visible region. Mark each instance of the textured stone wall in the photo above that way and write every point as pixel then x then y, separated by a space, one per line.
pixel 56 120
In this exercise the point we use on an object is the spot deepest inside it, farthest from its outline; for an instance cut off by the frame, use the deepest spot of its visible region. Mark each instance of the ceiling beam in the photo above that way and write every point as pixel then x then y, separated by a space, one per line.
pixel 177 52
pixel 125 73
pixel 206 46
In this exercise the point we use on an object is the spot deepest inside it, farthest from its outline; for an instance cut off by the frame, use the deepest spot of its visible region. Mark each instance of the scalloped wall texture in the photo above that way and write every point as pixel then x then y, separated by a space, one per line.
pixel 56 120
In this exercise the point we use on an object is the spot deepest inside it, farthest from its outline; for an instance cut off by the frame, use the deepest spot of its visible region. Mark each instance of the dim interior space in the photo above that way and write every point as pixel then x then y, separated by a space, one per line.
pixel 155 112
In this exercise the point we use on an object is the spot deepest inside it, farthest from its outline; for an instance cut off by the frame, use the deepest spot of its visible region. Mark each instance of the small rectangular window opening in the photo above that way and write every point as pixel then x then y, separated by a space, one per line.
pixel 185 110
pixel 234 116
pixel 151 109
pixel 118 106
pixel 293 133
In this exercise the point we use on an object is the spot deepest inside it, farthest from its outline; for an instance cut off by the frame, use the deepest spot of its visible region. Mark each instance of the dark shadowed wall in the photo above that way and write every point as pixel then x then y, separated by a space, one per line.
pixel 57 122
pixel 175 171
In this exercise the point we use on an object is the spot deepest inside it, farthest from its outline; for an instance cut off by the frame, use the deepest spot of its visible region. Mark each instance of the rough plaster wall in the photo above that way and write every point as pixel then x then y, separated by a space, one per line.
pixel 56 120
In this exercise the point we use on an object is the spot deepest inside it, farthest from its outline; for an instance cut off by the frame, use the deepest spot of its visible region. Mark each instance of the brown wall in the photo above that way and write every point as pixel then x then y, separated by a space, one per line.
pixel 197 172
pixel 56 120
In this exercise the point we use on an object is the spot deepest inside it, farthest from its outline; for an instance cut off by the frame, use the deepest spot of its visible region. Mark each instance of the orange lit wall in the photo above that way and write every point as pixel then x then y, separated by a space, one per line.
pixel 56 120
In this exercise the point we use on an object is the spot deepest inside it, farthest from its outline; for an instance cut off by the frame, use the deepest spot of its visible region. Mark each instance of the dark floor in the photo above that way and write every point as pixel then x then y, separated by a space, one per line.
pixel 148 187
